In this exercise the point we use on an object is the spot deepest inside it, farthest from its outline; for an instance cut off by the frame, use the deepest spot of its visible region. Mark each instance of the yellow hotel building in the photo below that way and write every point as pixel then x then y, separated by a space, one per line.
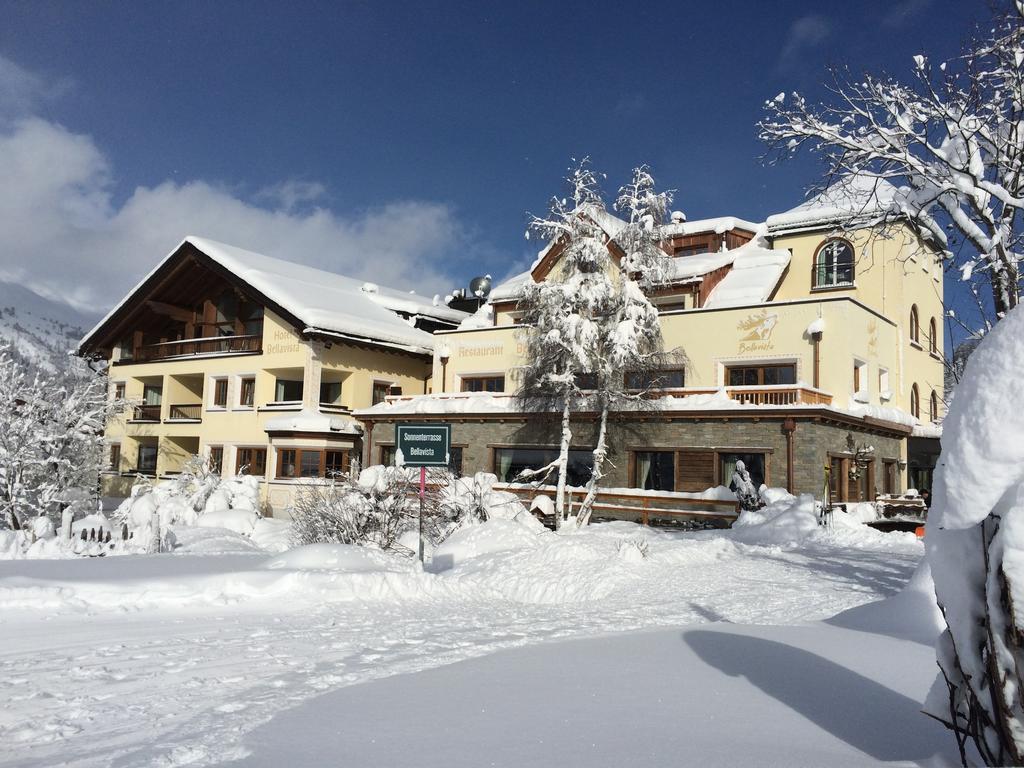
pixel 256 363
pixel 811 340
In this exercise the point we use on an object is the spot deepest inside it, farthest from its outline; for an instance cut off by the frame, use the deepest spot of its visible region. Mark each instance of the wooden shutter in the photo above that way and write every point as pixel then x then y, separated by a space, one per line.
pixel 696 471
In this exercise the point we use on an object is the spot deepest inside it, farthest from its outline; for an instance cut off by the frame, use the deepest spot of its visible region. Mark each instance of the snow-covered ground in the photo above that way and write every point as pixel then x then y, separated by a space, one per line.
pixel 188 658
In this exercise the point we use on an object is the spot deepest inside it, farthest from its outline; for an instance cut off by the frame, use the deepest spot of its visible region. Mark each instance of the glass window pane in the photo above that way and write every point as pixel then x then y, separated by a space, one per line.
pixel 310 463
pixel 656 470
pixel 288 390
pixel 287 459
pixel 754 463
pixel 330 392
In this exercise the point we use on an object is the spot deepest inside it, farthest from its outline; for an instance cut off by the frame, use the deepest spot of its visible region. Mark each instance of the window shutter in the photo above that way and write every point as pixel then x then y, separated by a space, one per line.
pixel 696 471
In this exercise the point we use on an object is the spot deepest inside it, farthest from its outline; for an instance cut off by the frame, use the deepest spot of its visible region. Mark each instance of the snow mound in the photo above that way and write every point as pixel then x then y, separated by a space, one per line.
pixel 486 538
pixel 350 558
pixel 788 520
pixel 241 521
pixel 272 534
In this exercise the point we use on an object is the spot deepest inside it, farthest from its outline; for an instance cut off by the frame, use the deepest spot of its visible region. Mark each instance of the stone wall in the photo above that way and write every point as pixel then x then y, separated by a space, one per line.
pixel 813 441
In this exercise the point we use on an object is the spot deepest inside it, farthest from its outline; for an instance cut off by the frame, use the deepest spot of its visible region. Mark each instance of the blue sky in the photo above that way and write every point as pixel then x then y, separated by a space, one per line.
pixel 413 134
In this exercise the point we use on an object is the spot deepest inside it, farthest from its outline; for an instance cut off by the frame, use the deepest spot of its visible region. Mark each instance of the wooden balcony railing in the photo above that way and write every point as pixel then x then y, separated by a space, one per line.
pixel 186 412
pixel 213 345
pixel 146 413
pixel 779 395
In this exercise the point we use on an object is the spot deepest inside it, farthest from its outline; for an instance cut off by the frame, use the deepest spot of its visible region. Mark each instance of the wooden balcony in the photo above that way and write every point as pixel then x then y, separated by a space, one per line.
pixel 147 413
pixel 191 412
pixel 186 348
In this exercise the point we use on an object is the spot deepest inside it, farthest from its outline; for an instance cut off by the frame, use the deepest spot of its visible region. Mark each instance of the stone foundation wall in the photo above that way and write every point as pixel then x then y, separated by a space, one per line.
pixel 813 442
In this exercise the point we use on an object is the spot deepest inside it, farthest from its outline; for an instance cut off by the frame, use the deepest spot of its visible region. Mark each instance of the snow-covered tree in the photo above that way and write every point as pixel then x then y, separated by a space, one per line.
pixel 51 438
pixel 589 321
pixel 975 547
pixel 951 142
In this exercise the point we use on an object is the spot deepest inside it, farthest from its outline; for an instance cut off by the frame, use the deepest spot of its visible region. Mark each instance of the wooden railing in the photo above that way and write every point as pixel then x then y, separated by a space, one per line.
pixel 637 505
pixel 779 395
pixel 212 345
pixel 146 413
pixel 186 412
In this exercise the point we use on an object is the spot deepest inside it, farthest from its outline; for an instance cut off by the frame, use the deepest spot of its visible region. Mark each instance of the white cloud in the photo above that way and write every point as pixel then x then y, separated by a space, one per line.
pixel 21 91
pixel 806 33
pixel 901 13
pixel 66 238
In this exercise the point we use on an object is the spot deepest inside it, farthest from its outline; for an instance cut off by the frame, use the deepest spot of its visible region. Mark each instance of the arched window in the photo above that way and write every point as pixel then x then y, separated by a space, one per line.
pixel 933 337
pixel 833 265
pixel 915 326
pixel 915 402
pixel 933 407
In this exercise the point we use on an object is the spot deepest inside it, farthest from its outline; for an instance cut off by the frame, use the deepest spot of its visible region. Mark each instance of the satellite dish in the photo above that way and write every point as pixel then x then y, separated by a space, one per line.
pixel 480 286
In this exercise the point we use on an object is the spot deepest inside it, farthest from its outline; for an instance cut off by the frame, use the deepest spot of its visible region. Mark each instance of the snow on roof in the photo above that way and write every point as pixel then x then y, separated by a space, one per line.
pixel 755 273
pixel 322 301
pixel 456 403
pixel 698 265
pixel 412 303
pixel 510 289
pixel 851 198
pixel 718 225
pixel 311 421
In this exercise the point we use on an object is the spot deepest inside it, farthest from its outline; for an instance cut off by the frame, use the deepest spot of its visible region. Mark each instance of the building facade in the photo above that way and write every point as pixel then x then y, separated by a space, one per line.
pixel 813 340
pixel 256 364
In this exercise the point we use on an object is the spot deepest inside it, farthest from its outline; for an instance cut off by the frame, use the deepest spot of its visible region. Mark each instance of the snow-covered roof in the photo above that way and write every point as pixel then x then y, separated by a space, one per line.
pixel 755 273
pixel 312 421
pixel 474 403
pixel 510 289
pixel 718 225
pixel 322 301
pixel 857 197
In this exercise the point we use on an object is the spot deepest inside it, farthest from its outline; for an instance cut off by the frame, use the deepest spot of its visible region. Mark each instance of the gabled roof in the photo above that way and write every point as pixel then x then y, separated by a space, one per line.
pixel 317 300
pixel 855 198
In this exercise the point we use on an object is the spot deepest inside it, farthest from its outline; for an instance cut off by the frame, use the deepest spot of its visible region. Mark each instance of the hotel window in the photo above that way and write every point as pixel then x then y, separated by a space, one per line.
pixel 311 462
pixel 933 337
pixel 288 390
pixel 381 390
pixel 760 375
pixel 146 463
pixel 860 377
pixel 115 457
pixel 753 462
pixel 833 265
pixel 933 407
pixel 220 393
pixel 890 477
pixel 510 462
pixel 247 392
pixel 455 460
pixel 216 458
pixel 387 455
pixel 330 392
pixel 119 390
pixel 286 463
pixel 251 461
pixel 915 402
pixel 654 470
pixel 667 379
pixel 915 328
pixel 152 394
pixel 883 383
pixel 483 383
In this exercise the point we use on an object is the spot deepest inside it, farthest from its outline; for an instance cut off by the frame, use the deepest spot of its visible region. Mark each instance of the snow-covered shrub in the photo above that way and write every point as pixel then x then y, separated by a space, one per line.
pixel 975 546
pixel 197 496
pixel 373 507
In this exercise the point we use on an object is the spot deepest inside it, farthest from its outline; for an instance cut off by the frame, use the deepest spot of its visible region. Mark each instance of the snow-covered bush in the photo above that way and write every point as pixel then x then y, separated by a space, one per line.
pixel 975 546
pixel 197 496
pixel 380 504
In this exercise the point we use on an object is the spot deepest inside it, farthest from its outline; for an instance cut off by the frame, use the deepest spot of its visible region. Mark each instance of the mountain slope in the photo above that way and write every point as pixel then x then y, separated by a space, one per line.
pixel 40 331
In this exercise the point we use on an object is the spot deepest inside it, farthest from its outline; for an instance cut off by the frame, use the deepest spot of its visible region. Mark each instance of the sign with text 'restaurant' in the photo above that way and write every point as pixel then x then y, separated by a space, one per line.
pixel 422 445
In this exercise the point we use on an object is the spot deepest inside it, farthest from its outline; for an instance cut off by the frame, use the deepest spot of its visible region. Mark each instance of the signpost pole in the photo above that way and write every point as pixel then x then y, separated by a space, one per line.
pixel 423 490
